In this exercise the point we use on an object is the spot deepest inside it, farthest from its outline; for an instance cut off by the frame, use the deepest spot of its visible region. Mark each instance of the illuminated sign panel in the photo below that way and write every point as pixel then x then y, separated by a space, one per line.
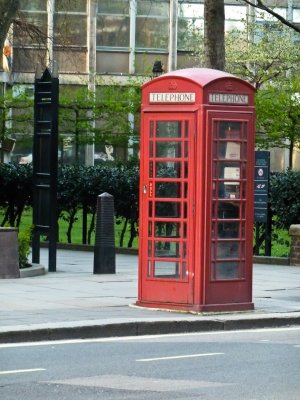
pixel 228 98
pixel 172 97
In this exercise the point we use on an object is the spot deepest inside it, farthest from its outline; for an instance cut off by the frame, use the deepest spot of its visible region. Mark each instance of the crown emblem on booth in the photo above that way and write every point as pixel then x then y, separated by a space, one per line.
pixel 172 85
pixel 228 86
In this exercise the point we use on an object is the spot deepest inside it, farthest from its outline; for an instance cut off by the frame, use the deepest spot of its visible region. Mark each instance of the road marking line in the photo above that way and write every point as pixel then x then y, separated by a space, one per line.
pixel 143 337
pixel 178 357
pixel 21 371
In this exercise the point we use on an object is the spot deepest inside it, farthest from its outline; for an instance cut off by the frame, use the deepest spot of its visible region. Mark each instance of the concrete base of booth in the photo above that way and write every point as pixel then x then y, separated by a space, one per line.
pixel 197 307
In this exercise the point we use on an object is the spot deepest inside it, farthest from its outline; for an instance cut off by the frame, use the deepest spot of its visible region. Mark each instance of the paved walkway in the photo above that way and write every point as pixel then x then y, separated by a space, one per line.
pixel 73 302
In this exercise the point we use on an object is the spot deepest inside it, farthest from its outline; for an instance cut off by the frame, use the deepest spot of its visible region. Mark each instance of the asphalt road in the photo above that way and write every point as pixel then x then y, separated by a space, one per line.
pixel 233 365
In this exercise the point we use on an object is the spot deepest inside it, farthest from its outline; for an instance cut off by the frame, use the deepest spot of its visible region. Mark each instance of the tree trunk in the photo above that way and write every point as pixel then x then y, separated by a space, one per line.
pixel 8 10
pixel 291 151
pixel 214 40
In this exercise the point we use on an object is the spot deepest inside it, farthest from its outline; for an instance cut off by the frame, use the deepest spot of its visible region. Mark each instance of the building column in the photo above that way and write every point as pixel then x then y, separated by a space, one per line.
pixel 91 66
pixel 50 30
pixel 132 19
pixel 173 23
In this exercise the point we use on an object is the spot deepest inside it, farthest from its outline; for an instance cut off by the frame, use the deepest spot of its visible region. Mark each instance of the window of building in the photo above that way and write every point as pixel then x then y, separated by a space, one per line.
pixel 265 16
pixel 70 6
pixel 235 17
pixel 35 31
pixel 152 24
pixel 33 5
pixel 70 23
pixel 296 15
pixel 190 25
pixel 113 24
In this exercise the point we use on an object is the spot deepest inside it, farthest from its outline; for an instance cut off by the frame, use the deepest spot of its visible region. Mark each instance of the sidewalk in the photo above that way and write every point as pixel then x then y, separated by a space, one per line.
pixel 74 303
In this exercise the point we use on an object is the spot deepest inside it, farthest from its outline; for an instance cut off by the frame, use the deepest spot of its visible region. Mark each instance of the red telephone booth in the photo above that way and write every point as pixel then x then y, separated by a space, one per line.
pixel 196 192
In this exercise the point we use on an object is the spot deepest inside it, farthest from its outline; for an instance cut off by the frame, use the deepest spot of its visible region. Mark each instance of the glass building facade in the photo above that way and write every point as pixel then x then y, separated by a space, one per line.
pixel 120 38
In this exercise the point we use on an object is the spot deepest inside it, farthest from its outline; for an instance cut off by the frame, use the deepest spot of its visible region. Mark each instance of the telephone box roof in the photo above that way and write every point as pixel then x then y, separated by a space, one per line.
pixel 201 76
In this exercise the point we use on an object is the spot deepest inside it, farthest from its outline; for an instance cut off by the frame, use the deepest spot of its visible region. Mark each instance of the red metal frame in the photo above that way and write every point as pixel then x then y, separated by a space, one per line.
pixel 196 200
pixel 167 221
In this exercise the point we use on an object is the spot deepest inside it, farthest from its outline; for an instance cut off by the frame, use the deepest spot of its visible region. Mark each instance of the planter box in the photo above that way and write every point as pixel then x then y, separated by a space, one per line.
pixel 9 255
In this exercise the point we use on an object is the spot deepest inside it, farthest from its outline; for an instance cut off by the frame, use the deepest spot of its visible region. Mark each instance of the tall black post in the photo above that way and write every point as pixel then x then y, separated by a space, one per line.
pixel 45 159
pixel 105 252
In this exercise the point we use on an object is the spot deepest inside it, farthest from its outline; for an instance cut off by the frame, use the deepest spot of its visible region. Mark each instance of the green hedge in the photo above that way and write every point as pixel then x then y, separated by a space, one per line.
pixel 285 198
pixel 78 188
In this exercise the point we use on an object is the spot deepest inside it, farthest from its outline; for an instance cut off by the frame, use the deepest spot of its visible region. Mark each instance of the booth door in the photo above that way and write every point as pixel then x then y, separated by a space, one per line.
pixel 166 236
pixel 229 277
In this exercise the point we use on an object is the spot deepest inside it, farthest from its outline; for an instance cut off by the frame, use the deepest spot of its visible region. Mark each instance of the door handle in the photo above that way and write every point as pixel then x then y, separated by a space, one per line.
pixel 145 189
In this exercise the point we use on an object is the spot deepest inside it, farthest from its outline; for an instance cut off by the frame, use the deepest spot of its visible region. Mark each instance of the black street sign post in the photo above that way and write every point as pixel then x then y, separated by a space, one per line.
pixel 45 159
pixel 261 197
pixel 261 185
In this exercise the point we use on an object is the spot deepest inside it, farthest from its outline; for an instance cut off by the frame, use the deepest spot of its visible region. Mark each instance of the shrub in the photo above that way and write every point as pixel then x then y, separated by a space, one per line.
pixel 24 240
pixel 285 198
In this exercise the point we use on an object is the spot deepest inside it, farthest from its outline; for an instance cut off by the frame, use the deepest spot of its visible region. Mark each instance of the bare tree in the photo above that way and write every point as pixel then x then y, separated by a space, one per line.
pixel 8 11
pixel 262 6
pixel 214 37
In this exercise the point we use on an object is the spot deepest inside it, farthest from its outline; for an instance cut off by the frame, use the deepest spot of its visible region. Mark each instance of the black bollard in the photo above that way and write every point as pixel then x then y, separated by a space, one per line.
pixel 104 251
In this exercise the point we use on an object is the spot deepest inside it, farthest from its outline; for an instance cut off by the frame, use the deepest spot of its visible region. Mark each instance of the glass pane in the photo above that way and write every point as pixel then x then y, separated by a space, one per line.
pixel 166 269
pixel 113 31
pixel 168 149
pixel 168 129
pixel 151 129
pixel 186 149
pixel 33 5
pixel 186 169
pixel 227 270
pixel 296 15
pixel 150 209
pixel 167 249
pixel 229 171
pixel 149 268
pixel 184 230
pixel 151 169
pixel 167 229
pixel 168 169
pixel 70 30
pixel 228 229
pixel 113 7
pixel 185 193
pixel 70 5
pixel 191 10
pixel 235 12
pixel 184 271
pixel 150 229
pixel 149 249
pixel 229 130
pixel 152 33
pixel 167 209
pixel 185 209
pixel 21 36
pixel 184 250
pixel 228 210
pixel 230 150
pixel 227 250
pixel 150 7
pixel 231 191
pixel 151 149
pixel 168 189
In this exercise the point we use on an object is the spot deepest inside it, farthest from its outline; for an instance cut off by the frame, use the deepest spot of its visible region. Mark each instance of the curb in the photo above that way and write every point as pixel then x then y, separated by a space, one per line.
pixel 34 270
pixel 139 328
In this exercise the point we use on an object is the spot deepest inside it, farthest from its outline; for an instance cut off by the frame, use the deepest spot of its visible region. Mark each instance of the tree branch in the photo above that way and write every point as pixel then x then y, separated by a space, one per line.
pixel 269 10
